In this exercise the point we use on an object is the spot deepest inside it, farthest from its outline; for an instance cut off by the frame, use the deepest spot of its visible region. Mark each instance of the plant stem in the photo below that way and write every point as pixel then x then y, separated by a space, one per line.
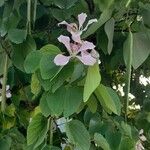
pixel 34 13
pixel 29 16
pixel 4 82
pixel 51 131
pixel 129 68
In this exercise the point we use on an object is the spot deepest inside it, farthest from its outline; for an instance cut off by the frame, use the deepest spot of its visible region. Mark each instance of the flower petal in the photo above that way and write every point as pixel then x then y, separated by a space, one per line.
pixel 86 45
pixel 8 94
pixel 66 41
pixel 87 60
pixel 76 37
pixel 61 60
pixel 81 19
pixel 89 22
pixel 63 23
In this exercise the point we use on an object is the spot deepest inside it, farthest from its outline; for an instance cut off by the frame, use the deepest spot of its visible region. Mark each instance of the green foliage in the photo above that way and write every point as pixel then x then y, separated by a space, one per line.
pixel 37 130
pixel 78 135
pixel 74 106
pixel 92 81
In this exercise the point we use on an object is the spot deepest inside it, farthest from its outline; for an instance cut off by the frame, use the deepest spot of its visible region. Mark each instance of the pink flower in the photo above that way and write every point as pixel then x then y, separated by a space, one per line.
pixel 76 30
pixel 76 50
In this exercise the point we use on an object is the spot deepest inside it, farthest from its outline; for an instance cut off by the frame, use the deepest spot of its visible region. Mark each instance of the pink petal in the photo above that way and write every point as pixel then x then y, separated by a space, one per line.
pixel 66 41
pixel 86 45
pixel 81 19
pixel 76 37
pixel 61 60
pixel 89 23
pixel 87 60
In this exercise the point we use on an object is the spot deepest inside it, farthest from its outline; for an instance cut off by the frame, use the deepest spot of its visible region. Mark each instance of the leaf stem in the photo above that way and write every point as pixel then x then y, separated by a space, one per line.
pixel 34 13
pixel 29 16
pixel 129 69
pixel 51 131
pixel 4 82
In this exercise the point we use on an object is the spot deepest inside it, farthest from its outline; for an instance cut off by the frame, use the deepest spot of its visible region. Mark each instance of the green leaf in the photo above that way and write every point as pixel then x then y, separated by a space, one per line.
pixel 92 103
pixel 73 98
pixel 108 99
pixel 32 61
pixel 65 4
pixel 106 15
pixel 5 143
pixel 141 48
pixel 35 85
pixel 44 105
pixel 101 141
pixel 113 137
pixel 62 76
pixel 78 135
pixel 103 4
pixel 47 67
pixel 1 3
pixel 109 29
pixel 62 99
pixel 55 101
pixel 20 51
pixel 17 36
pixel 37 130
pixel 93 79
pixel 127 144
pixel 50 49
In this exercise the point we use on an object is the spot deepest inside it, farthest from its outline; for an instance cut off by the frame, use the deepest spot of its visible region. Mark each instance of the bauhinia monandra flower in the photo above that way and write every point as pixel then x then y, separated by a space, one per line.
pixel 77 30
pixel 77 50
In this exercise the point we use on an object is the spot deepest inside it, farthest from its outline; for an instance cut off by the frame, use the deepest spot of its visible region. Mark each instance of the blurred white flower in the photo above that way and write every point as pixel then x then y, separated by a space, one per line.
pixel 8 92
pixel 142 138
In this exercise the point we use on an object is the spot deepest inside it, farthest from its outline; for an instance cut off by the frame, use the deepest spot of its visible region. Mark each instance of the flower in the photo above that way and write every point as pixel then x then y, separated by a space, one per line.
pixel 77 50
pixel 142 138
pixel 77 30
pixel 8 92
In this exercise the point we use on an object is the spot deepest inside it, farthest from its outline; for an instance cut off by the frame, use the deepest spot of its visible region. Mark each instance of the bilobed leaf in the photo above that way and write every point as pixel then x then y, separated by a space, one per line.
pixel 106 15
pixel 93 79
pixel 17 36
pixel 108 99
pixel 78 134
pixel 109 29
pixel 37 130
pixel 101 141
pixel 32 61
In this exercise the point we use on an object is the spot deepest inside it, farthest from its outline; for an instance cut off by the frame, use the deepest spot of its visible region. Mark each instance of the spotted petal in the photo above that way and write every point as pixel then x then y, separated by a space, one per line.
pixel 61 60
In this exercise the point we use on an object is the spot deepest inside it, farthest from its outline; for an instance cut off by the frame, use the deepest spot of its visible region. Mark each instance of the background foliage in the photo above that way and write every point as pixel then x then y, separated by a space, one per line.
pixel 74 107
